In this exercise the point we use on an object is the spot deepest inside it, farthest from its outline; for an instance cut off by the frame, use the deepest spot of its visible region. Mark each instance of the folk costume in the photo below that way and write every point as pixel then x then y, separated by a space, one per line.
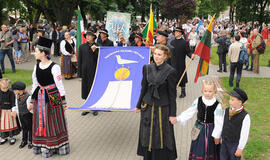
pixel 25 116
pixel 235 129
pixel 207 127
pixel 50 134
pixel 9 126
pixel 157 103
pixel 178 60
pixel 68 68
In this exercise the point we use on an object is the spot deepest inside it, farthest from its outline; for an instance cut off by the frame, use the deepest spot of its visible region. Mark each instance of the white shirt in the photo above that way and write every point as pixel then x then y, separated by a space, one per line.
pixel 56 72
pixel 190 112
pixel 244 131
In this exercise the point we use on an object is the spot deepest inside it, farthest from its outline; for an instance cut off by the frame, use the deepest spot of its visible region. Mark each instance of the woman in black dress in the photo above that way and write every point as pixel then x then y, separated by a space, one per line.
pixel 157 104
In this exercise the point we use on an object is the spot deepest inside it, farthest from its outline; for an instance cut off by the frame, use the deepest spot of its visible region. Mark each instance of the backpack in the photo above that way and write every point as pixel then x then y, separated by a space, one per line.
pixel 261 47
pixel 227 45
pixel 243 55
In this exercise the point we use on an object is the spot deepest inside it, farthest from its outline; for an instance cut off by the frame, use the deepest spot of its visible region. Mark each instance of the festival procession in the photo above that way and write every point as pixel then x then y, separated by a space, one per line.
pixel 135 80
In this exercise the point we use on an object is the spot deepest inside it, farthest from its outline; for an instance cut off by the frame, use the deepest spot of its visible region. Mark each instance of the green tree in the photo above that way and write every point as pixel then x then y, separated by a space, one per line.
pixel 211 7
pixel 179 9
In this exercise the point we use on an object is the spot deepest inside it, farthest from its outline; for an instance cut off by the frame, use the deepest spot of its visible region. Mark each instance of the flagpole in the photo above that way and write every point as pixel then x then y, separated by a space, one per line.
pixel 189 62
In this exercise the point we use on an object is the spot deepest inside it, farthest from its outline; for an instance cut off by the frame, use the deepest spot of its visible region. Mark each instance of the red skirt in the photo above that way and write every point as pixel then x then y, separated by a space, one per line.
pixel 56 127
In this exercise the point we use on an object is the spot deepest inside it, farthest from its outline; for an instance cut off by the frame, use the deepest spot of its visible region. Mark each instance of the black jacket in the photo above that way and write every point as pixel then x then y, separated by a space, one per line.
pixel 222 48
pixel 87 62
pixel 178 60
pixel 159 87
pixel 107 42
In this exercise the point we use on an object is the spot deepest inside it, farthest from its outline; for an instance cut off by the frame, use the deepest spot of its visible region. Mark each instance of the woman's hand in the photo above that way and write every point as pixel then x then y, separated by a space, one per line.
pixel 79 79
pixel 65 106
pixel 173 120
pixel 137 110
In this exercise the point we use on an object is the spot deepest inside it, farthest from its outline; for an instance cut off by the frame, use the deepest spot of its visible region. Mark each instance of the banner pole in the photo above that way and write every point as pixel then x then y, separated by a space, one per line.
pixel 189 62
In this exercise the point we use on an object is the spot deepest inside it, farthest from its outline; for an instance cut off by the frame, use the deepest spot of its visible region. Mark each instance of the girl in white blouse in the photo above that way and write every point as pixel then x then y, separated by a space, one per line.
pixel 206 132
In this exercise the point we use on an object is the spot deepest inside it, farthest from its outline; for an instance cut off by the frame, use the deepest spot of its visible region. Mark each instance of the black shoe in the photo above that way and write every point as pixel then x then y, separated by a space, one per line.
pixel 12 141
pixel 250 69
pixel 182 96
pixel 230 84
pixel 219 70
pixel 30 146
pixel 3 141
pixel 84 113
pixel 23 144
pixel 224 70
pixel 95 113
pixel 246 68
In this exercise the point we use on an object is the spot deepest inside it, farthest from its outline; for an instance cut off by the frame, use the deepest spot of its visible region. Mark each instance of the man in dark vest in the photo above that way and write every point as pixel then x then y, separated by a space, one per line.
pixel 87 62
pixel 178 60
pixel 104 41
pixel 236 127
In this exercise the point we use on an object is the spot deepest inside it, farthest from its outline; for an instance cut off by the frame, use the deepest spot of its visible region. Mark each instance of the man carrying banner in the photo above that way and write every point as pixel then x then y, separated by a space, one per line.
pixel 87 62
pixel 182 50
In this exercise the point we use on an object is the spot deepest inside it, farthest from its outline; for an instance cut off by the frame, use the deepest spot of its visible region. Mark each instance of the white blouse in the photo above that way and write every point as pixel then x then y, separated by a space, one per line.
pixel 185 116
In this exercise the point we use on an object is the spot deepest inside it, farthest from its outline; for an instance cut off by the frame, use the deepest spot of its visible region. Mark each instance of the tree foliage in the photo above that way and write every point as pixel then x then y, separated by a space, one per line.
pixel 252 10
pixel 172 9
pixel 211 7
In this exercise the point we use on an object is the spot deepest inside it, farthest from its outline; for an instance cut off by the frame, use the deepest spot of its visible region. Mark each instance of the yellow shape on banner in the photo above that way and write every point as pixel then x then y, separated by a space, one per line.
pixel 122 74
pixel 204 67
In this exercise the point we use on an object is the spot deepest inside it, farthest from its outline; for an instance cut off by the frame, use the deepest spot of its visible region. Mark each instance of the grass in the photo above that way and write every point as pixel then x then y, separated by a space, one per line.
pixel 20 75
pixel 263 57
pixel 258 91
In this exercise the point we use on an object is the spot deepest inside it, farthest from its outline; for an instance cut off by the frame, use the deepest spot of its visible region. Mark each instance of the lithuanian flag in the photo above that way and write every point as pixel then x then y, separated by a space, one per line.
pixel 203 51
pixel 148 31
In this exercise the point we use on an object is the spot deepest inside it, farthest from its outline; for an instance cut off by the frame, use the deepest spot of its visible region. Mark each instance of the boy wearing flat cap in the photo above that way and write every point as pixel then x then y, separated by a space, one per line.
pixel 236 126
pixel 22 102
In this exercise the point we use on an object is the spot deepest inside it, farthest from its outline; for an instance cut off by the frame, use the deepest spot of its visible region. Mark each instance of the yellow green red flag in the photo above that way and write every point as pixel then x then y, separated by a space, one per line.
pixel 203 51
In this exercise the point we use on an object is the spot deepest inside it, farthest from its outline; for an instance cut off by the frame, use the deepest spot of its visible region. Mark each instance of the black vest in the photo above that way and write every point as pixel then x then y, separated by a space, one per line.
pixel 22 105
pixel 206 114
pixel 232 128
pixel 44 78
pixel 7 99
pixel 70 47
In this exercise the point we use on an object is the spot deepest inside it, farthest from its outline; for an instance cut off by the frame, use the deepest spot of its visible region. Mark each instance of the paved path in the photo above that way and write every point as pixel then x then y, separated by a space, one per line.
pixel 109 136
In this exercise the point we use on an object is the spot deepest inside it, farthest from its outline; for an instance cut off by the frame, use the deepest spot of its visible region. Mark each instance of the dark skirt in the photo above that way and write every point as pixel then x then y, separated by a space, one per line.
pixel 68 69
pixel 156 142
pixel 204 146
pixel 56 128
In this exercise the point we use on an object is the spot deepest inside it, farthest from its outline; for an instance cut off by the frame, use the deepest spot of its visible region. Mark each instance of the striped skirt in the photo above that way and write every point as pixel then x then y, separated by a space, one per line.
pixel 56 135
pixel 204 148
pixel 8 124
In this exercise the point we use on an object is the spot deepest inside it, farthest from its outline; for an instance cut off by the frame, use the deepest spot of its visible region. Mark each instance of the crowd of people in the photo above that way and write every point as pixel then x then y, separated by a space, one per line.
pixel 42 114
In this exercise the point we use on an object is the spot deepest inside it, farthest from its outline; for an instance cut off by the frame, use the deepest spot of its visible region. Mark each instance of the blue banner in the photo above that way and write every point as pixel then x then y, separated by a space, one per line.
pixel 118 78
